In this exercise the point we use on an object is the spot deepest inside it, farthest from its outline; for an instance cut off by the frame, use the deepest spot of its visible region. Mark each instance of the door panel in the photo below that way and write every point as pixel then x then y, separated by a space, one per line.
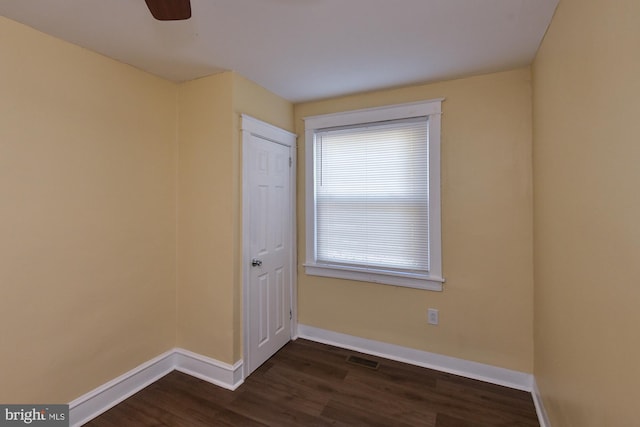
pixel 263 308
pixel 279 302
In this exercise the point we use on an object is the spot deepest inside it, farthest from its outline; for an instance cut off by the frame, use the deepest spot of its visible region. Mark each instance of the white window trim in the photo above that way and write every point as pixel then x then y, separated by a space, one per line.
pixel 431 281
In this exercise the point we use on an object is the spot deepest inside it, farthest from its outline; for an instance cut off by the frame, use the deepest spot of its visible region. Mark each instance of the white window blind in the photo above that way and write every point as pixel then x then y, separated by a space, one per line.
pixel 372 196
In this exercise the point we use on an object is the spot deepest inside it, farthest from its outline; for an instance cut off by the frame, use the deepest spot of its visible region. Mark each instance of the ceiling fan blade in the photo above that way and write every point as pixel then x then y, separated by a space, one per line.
pixel 169 10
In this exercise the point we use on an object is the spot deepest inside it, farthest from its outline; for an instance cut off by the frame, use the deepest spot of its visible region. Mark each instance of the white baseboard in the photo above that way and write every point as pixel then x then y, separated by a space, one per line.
pixel 479 371
pixel 210 370
pixel 543 418
pixel 103 398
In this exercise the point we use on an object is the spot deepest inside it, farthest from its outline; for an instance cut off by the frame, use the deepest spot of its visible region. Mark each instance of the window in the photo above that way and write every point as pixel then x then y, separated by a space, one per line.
pixel 373 195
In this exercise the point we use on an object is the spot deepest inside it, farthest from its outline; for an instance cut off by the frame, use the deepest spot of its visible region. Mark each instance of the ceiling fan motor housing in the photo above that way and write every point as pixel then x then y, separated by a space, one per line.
pixel 169 10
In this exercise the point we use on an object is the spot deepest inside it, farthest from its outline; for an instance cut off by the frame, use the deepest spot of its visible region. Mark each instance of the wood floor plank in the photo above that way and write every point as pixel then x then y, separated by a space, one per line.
pixel 307 394
pixel 445 420
pixel 374 394
pixel 274 412
pixel 311 384
pixel 346 413
pixel 519 406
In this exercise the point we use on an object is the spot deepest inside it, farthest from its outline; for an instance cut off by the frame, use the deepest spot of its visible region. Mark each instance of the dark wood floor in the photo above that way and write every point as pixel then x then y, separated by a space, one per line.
pixel 311 384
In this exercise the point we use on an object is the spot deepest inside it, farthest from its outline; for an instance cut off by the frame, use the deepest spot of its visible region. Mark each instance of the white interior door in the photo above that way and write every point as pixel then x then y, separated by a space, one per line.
pixel 268 281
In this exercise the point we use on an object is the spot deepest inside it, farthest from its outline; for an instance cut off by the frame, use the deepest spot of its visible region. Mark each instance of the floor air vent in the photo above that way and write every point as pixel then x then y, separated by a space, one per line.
pixel 361 361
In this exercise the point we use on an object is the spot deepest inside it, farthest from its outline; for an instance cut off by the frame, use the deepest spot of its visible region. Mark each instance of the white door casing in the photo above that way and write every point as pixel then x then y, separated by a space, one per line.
pixel 268 240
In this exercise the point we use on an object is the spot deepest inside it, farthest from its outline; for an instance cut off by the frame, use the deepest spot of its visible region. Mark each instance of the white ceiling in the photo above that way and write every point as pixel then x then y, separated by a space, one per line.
pixel 304 49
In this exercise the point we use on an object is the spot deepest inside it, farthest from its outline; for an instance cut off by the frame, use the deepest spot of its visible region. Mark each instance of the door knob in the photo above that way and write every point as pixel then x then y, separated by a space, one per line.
pixel 256 262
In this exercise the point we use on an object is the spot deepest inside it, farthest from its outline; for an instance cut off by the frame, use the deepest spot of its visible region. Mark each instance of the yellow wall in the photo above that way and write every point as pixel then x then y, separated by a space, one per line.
pixel 209 208
pixel 206 239
pixel 587 233
pixel 87 217
pixel 256 101
pixel 486 308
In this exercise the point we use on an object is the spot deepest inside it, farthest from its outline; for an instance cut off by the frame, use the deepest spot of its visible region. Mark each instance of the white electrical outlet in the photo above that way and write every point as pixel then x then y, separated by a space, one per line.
pixel 432 316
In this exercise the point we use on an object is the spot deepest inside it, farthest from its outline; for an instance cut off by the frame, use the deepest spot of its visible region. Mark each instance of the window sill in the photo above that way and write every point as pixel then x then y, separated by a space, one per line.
pixel 407 280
